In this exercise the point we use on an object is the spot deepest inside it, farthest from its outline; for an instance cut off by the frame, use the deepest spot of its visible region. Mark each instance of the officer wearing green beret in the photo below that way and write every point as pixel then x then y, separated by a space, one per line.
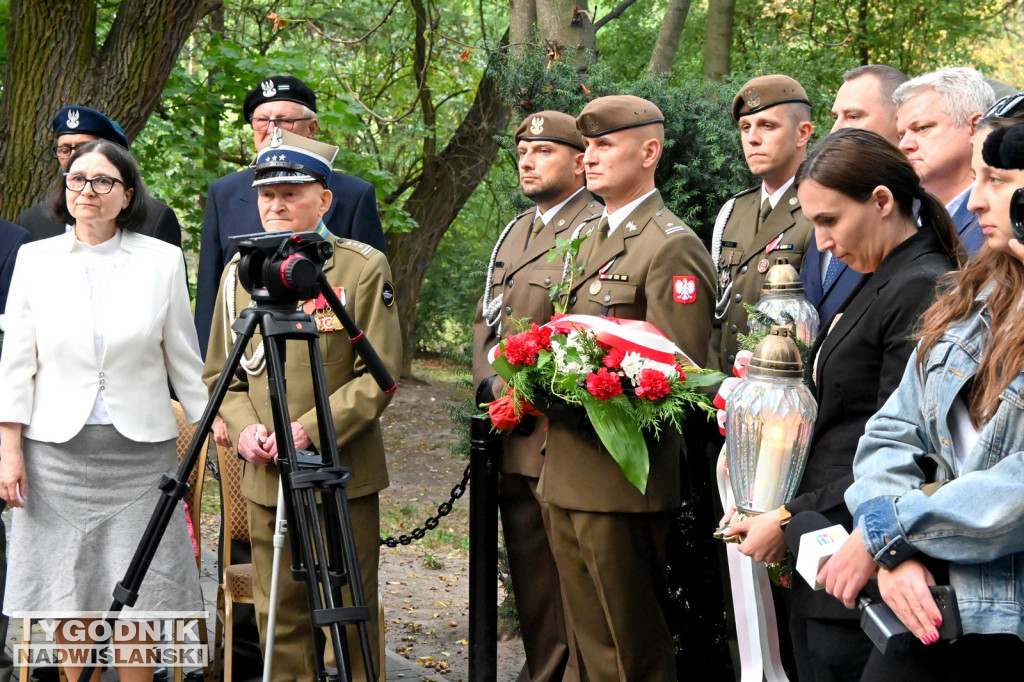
pixel 519 278
pixel 291 178
pixel 639 262
pixel 761 224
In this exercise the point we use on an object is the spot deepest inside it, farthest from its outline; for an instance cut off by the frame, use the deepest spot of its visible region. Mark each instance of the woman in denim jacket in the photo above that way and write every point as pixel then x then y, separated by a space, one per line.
pixel 961 398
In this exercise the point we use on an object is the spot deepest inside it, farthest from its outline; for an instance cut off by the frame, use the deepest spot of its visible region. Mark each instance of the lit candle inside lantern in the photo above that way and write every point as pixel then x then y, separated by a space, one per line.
pixel 770 457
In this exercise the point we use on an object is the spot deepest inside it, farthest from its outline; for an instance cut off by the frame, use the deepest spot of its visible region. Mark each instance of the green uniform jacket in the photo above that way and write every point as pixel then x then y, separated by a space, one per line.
pixel 743 258
pixel 660 272
pixel 356 401
pixel 523 278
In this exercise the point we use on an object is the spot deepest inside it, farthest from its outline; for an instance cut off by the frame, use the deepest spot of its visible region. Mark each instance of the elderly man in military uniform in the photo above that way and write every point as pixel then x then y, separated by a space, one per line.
pixel 291 178
pixel 640 262
pixel 762 224
pixel 519 277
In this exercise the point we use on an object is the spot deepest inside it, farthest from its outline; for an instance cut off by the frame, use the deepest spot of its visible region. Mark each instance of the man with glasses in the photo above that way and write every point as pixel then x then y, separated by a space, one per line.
pixel 75 125
pixel 276 102
pixel 936 115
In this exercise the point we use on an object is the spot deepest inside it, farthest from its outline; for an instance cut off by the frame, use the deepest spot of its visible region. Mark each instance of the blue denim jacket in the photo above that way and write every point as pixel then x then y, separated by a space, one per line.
pixel 976 521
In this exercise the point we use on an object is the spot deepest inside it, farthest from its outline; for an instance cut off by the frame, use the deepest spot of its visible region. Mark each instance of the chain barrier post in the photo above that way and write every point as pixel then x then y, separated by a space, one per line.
pixel 484 458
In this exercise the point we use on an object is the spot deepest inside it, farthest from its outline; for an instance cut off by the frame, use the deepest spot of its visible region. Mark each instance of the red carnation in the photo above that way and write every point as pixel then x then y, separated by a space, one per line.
pixel 614 358
pixel 521 350
pixel 653 385
pixel 680 372
pixel 541 335
pixel 503 413
pixel 603 384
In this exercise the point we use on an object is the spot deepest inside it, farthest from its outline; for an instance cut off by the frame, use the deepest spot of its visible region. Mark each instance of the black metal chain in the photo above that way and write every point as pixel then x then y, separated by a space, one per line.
pixel 443 510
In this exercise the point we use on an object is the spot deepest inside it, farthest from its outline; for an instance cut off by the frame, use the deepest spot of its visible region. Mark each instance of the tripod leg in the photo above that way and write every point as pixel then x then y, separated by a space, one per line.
pixel 280 526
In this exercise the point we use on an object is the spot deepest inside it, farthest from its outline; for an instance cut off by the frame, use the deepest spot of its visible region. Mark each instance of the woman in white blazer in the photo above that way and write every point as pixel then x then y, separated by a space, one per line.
pixel 97 325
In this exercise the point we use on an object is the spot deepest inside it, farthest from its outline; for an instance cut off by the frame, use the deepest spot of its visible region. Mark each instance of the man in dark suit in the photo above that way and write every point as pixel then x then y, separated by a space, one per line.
pixel 75 125
pixel 936 116
pixel 519 277
pixel 864 101
pixel 640 262
pixel 763 223
pixel 276 102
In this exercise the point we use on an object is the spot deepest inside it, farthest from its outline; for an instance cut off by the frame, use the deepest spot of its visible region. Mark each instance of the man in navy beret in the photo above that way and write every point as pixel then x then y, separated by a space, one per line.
pixel 276 102
pixel 75 125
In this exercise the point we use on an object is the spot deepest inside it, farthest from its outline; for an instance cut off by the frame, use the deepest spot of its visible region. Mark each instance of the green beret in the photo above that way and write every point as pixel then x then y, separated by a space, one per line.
pixel 611 114
pixel 550 126
pixel 765 92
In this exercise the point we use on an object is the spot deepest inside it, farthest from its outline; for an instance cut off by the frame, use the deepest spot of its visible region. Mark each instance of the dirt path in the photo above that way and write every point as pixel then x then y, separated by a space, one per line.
pixel 424 586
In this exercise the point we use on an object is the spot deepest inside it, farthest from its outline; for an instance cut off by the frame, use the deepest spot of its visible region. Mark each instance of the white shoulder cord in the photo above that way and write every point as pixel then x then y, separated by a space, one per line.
pixel 492 306
pixel 257 362
pixel 567 262
pixel 722 304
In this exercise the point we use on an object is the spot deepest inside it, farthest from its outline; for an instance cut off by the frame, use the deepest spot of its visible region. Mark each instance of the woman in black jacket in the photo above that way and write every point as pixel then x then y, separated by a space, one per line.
pixel 869 210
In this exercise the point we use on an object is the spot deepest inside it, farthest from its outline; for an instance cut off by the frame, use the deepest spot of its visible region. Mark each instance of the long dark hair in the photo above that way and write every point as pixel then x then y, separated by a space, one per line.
pixel 131 218
pixel 854 162
pixel 1003 356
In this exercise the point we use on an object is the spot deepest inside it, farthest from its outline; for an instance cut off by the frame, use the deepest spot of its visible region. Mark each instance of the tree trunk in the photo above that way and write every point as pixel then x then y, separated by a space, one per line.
pixel 667 44
pixel 53 60
pixel 718 41
pixel 522 20
pixel 566 30
pixel 447 182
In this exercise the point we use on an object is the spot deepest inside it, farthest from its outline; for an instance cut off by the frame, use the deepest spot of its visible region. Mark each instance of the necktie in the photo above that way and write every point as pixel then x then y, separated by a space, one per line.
pixel 766 209
pixel 831 272
pixel 600 234
pixel 538 225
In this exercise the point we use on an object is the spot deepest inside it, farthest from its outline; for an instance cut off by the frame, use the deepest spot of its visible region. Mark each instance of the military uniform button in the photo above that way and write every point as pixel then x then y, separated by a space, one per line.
pixel 607 297
pixel 572 299
pixel 547 281
pixel 732 328
pixel 510 283
pixel 739 297
pixel 730 359
pixel 508 310
pixel 743 270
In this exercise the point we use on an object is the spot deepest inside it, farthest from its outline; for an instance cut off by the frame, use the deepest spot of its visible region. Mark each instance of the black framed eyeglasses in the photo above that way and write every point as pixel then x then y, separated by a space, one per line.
pixel 101 184
pixel 64 151
pixel 261 123
pixel 1005 106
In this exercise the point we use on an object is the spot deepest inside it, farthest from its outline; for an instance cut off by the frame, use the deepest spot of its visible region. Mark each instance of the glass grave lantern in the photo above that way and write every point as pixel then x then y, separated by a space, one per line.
pixel 769 419
pixel 783 292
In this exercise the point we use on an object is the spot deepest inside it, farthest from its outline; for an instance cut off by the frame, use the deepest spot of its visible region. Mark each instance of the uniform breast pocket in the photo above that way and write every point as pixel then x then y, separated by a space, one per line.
pixel 730 257
pixel 612 298
pixel 541 280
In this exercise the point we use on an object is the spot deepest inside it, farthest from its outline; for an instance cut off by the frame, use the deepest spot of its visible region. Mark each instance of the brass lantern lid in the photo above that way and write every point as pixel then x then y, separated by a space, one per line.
pixel 777 355
pixel 782 278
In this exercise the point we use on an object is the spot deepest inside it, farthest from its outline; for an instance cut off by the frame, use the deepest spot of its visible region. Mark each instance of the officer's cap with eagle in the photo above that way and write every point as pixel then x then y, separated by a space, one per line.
pixel 278 89
pixel 290 159
pixel 765 92
pixel 611 114
pixel 550 126
pixel 78 120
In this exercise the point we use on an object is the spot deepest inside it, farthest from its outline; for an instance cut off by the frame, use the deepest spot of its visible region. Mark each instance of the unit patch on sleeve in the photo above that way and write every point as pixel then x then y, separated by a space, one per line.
pixel 684 288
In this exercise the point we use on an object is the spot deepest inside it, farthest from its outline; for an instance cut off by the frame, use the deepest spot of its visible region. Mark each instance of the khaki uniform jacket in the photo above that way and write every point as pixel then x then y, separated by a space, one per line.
pixel 650 253
pixel 356 402
pixel 524 277
pixel 743 250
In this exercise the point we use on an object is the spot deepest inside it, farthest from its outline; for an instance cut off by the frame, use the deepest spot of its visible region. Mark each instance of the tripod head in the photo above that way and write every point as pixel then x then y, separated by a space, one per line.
pixel 281 268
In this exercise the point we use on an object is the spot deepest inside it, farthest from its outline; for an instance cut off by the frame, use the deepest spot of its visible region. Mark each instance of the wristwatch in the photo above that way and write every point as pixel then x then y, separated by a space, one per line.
pixel 784 515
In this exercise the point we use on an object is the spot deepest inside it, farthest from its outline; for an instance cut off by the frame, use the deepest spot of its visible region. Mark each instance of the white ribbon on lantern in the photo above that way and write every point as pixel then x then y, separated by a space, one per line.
pixel 757 630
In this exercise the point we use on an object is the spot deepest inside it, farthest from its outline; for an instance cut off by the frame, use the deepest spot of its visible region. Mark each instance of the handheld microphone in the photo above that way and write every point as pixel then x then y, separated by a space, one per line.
pixel 813 539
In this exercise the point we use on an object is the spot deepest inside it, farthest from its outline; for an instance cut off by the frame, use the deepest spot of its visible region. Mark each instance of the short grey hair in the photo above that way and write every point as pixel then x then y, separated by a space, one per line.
pixel 962 92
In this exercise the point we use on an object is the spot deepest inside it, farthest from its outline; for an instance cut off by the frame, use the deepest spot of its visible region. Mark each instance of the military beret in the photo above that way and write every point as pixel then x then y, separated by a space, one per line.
pixel 76 120
pixel 278 89
pixel 291 159
pixel 765 92
pixel 550 126
pixel 618 112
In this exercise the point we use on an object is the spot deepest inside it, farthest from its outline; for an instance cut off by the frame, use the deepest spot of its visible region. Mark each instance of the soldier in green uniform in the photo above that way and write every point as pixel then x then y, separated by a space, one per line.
pixel 291 178
pixel 519 278
pixel 764 223
pixel 640 262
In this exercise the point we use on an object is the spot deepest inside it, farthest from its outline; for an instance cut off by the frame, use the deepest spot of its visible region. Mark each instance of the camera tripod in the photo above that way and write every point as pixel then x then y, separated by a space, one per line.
pixel 321 537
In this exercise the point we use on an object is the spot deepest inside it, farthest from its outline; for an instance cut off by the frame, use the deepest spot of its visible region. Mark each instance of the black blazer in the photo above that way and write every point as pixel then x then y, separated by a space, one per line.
pixel 161 222
pixel 826 301
pixel 231 210
pixel 11 239
pixel 859 363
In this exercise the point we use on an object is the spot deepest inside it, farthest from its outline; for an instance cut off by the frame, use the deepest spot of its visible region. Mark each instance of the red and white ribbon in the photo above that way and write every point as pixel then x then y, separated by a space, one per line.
pixel 626 335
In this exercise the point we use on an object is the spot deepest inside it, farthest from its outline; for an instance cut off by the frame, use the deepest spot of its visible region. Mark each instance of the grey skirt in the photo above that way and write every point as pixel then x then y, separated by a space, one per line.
pixel 89 502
